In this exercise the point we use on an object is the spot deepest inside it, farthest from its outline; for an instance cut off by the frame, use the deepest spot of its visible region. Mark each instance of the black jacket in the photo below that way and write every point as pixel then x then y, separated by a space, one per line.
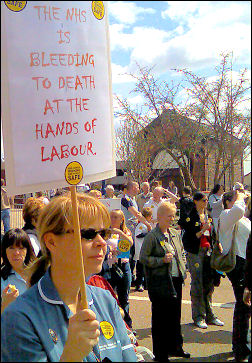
pixel 185 206
pixel 191 226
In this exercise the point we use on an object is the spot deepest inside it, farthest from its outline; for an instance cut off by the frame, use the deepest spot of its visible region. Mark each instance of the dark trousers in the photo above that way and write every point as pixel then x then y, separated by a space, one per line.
pixel 166 327
pixel 132 262
pixel 122 287
pixel 139 274
pixel 242 312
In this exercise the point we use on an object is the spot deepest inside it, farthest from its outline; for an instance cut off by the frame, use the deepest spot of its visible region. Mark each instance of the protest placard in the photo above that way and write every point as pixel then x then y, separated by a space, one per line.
pixel 112 203
pixel 56 94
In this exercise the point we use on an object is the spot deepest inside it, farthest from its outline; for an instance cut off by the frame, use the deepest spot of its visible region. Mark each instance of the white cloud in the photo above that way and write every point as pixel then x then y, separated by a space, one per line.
pixel 127 12
pixel 118 74
pixel 137 100
pixel 203 31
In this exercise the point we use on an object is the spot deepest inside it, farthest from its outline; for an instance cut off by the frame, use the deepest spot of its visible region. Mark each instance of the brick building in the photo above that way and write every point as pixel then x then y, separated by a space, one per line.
pixel 202 163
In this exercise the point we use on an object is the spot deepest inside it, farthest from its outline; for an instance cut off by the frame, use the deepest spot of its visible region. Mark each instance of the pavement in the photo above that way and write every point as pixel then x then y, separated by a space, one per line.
pixel 213 344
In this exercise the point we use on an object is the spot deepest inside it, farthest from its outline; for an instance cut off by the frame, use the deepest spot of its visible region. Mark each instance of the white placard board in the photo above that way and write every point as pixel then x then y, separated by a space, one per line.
pixel 56 93
pixel 111 203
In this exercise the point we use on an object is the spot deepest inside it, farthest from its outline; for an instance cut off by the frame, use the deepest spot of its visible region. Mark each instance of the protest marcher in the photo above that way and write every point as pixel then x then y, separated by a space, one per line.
pixel 31 211
pixel 215 205
pixel 17 253
pixel 154 184
pixel 233 217
pixel 164 265
pixel 158 198
pixel 143 197
pixel 121 283
pixel 132 217
pixel 197 243
pixel 49 322
pixel 172 187
pixel 6 203
pixel 110 192
pixel 140 232
pixel 185 205
pixel 154 202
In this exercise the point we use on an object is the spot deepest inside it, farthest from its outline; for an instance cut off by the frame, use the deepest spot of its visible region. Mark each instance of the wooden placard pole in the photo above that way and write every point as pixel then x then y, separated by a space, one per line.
pixel 77 241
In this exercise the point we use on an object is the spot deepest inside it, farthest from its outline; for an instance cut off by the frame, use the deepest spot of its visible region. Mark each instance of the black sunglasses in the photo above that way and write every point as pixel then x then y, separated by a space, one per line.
pixel 91 233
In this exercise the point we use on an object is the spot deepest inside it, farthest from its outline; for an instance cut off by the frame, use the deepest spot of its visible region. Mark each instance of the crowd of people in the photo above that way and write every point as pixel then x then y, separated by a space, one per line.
pixel 42 317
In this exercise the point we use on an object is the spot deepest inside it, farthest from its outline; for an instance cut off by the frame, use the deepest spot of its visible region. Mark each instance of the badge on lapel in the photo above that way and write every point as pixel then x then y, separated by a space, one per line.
pixel 53 335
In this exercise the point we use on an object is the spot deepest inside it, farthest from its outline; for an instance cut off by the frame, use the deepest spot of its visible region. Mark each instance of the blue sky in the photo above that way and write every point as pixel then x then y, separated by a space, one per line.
pixel 170 34
pixel 176 34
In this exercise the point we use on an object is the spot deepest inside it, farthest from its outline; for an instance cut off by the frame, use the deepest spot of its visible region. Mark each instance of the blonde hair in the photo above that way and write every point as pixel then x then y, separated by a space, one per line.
pixel 95 193
pixel 123 223
pixel 57 217
pixel 166 206
pixel 32 209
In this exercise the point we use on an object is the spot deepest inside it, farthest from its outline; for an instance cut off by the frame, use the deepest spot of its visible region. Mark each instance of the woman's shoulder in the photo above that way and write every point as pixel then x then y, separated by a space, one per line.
pixel 102 298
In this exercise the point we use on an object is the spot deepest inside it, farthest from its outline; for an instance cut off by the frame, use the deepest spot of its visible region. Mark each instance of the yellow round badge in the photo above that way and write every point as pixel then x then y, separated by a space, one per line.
pixel 15 5
pixel 98 9
pixel 74 173
pixel 124 245
pixel 107 329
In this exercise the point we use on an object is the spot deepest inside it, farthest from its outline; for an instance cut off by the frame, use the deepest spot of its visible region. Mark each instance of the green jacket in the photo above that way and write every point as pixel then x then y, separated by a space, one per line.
pixel 152 253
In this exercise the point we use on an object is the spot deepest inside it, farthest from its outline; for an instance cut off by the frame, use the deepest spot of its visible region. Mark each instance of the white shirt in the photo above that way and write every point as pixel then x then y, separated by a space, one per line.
pixel 228 219
pixel 140 228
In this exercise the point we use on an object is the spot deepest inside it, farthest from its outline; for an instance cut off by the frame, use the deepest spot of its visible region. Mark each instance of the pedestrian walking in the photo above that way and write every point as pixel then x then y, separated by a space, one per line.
pixel 197 243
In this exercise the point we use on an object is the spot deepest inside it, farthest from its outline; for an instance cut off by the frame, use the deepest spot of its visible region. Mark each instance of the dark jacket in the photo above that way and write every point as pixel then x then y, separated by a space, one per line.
pixel 157 273
pixel 248 264
pixel 185 206
pixel 192 226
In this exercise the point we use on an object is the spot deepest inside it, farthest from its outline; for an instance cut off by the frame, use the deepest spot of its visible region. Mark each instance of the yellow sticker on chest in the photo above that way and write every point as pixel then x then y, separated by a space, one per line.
pixel 107 329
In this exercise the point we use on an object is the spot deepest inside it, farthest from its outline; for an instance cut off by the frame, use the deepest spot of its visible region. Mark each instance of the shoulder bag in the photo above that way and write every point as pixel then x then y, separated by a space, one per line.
pixel 223 262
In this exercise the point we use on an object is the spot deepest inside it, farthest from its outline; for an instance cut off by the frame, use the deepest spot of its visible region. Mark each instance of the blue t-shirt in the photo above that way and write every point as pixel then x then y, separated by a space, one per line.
pixel 126 203
pixel 35 326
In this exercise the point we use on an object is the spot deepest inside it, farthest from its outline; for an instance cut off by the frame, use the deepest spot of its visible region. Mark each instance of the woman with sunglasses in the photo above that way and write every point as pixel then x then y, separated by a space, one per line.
pixel 120 284
pixel 47 322
pixel 17 253
pixel 197 243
